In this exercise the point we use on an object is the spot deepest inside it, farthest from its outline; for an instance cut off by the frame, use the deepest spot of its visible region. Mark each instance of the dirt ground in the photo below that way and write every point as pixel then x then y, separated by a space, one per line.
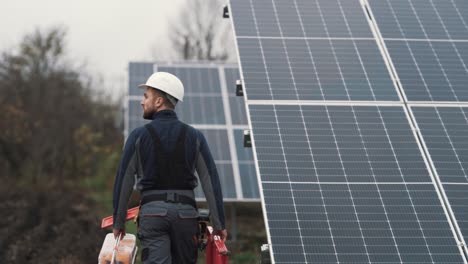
pixel 45 225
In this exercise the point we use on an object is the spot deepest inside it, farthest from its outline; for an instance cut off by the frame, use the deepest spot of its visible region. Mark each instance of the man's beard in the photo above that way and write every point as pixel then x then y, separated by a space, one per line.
pixel 148 114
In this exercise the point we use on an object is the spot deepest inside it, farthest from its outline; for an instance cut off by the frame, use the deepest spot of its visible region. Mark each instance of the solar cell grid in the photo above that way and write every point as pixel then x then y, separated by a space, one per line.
pixel 381 218
pixel 431 19
pixel 302 19
pixel 358 223
pixel 315 70
pixel 458 197
pixel 431 71
pixel 445 132
pixel 336 144
pixel 347 66
pixel 428 44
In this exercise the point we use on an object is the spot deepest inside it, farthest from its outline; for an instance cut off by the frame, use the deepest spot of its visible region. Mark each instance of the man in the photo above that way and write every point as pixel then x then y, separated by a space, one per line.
pixel 164 155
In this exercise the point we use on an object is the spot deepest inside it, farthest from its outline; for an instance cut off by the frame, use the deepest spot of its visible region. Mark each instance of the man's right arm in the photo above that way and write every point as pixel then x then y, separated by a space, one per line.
pixel 124 181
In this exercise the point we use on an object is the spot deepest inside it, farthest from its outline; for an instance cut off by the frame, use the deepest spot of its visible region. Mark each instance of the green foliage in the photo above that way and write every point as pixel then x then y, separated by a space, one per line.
pixel 52 131
pixel 245 258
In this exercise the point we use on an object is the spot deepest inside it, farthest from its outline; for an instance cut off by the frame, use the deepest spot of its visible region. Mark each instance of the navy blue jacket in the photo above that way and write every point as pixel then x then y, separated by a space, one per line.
pixel 139 159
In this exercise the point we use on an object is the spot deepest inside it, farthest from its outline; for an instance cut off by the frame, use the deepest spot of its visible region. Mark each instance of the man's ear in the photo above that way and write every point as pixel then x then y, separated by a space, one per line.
pixel 159 101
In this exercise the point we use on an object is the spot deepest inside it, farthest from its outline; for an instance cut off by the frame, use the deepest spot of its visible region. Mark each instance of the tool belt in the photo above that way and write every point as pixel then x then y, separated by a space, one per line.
pixel 169 198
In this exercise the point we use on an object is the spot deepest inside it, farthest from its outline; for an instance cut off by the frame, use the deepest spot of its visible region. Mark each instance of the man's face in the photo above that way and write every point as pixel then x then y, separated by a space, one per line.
pixel 149 103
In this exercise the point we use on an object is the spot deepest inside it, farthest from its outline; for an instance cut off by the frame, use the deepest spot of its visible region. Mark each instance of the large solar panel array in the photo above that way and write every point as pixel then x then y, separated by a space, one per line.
pixel 211 106
pixel 355 165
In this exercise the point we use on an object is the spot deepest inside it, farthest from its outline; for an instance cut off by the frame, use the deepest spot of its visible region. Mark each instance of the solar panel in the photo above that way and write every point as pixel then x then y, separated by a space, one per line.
pixel 246 167
pixel 358 223
pixel 217 140
pixel 458 198
pixel 237 105
pixel 348 184
pixel 138 73
pixel 431 19
pixel 314 69
pixel 445 133
pixel 217 112
pixel 428 44
pixel 431 71
pixel 334 18
pixel 306 50
pixel 348 144
pixel 135 115
pixel 344 177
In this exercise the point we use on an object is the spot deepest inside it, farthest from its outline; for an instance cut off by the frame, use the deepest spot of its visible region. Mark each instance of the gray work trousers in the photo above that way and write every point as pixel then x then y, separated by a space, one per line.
pixel 168 233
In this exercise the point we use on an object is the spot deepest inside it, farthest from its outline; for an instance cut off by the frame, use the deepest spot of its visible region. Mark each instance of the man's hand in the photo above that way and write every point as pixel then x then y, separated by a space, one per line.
pixel 221 233
pixel 118 232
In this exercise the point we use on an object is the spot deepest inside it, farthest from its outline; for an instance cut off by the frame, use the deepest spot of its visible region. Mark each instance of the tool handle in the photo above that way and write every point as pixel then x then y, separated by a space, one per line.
pixel 108 221
pixel 114 251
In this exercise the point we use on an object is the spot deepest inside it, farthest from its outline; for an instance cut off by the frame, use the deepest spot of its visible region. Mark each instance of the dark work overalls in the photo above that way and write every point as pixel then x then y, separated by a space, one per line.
pixel 168 223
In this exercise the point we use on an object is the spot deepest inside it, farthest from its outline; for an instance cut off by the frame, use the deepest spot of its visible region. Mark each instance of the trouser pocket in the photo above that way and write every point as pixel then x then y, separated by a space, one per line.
pixel 184 236
pixel 152 221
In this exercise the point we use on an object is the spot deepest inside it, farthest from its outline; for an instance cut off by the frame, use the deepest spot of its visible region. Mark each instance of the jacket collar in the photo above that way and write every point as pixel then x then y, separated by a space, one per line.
pixel 165 114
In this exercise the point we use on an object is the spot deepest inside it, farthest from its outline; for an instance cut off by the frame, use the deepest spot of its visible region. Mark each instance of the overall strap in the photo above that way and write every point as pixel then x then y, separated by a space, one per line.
pixel 179 151
pixel 157 141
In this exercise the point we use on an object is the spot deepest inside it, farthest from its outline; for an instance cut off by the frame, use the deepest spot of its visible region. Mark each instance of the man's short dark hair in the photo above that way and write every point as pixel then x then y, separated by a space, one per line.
pixel 167 102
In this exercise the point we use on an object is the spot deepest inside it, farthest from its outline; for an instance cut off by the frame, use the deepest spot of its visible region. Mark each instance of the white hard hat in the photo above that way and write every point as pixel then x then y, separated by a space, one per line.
pixel 167 83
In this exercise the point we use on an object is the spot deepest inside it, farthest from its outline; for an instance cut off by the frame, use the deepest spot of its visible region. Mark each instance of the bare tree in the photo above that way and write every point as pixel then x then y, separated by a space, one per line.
pixel 199 32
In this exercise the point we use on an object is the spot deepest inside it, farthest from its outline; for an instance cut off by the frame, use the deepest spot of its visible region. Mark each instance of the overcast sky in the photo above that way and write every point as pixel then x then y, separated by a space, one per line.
pixel 106 34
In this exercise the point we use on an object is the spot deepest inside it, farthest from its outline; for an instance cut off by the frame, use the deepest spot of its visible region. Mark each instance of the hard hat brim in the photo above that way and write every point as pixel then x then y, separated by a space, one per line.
pixel 143 85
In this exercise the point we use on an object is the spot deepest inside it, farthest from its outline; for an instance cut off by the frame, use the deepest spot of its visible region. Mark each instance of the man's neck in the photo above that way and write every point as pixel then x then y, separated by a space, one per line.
pixel 164 108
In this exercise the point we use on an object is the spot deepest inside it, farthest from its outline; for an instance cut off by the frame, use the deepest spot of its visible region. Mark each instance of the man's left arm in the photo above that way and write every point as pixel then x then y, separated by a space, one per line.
pixel 209 179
